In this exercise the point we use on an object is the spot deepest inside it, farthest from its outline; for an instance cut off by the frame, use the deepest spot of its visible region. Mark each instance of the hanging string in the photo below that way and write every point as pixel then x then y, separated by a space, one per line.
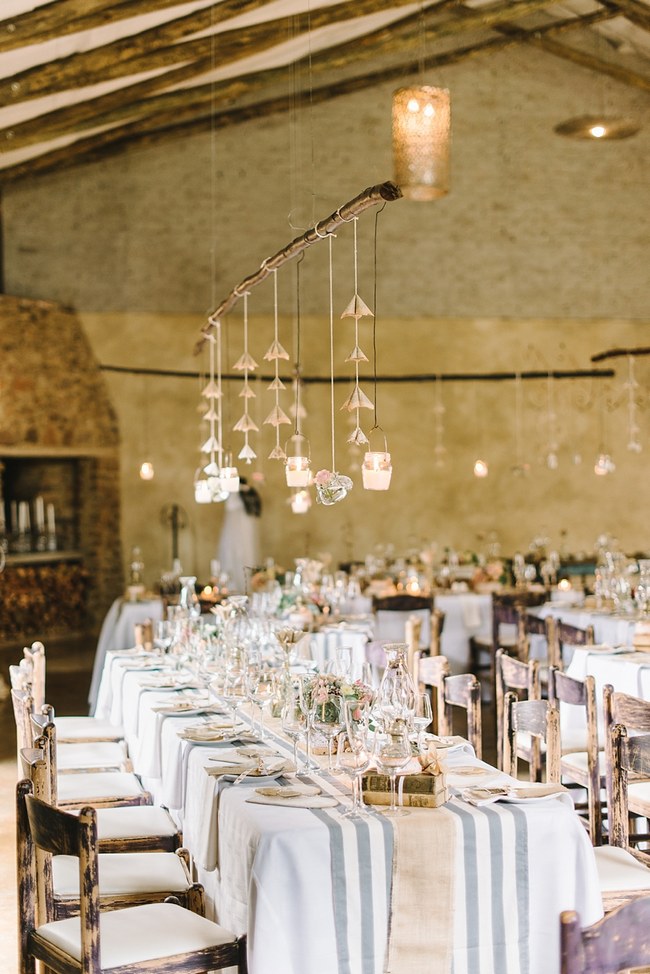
pixel 374 320
pixel 331 301
pixel 298 322
pixel 356 317
pixel 219 398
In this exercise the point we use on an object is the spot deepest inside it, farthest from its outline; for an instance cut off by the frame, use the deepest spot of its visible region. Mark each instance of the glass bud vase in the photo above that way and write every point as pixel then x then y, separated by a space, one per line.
pixel 396 694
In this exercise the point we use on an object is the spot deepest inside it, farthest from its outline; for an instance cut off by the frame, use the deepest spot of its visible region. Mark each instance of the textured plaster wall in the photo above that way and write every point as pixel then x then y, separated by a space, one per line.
pixel 537 258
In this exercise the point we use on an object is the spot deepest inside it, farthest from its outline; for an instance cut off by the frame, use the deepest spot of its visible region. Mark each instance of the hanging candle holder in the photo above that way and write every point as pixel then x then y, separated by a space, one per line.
pixel 229 476
pixel 246 364
pixel 277 417
pixel 377 468
pixel 298 463
pixel 357 309
pixel 202 492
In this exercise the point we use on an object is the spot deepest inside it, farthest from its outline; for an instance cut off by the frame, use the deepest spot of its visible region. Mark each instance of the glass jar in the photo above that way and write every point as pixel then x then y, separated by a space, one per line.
pixel 642 593
pixel 396 693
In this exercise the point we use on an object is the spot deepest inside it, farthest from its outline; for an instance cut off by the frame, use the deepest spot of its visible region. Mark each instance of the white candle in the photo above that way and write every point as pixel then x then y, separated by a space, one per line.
pixel 51 525
pixel 23 517
pixel 39 514
pixel 13 516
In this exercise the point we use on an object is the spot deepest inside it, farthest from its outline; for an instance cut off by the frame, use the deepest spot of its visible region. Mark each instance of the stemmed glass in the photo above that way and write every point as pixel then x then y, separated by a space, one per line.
pixel 259 688
pixel 234 684
pixel 343 662
pixel 294 721
pixel 392 754
pixel 163 636
pixel 354 752
pixel 422 717
pixel 327 718
pixel 304 697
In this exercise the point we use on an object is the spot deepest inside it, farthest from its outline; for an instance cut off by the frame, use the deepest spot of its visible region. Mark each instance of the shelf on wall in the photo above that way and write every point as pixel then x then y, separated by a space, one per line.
pixel 43 557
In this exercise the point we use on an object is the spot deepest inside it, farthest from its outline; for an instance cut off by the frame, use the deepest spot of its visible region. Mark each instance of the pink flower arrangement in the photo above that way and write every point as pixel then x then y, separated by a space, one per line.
pixel 323 477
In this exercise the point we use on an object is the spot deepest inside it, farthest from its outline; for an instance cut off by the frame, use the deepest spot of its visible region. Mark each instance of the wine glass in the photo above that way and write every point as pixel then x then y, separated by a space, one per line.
pixel 163 636
pixel 423 716
pixel 304 697
pixel 294 721
pixel 354 752
pixel 343 662
pixel 259 689
pixel 392 754
pixel 327 718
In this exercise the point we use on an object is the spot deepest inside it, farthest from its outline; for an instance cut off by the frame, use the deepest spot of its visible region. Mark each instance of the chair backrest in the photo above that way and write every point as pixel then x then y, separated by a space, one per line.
pixel 392 612
pixel 431 672
pixel 43 826
pixel 437 625
pixel 34 657
pixel 567 690
pixel 534 626
pixel 464 691
pixel 538 718
pixel 633 714
pixel 512 674
pixel 630 756
pixel 22 703
pixel 35 770
pixel 412 631
pixel 506 613
pixel 614 944
pixel 565 634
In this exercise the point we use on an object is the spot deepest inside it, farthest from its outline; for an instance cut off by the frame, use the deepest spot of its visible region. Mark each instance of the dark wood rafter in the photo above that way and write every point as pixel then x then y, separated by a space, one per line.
pixel 620 353
pixel 382 193
pixel 183 119
pixel 159 47
pixel 637 13
pixel 585 60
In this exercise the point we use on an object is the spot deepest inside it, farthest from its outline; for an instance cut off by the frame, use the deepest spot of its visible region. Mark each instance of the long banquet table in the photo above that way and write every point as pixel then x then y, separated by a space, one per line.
pixel 313 889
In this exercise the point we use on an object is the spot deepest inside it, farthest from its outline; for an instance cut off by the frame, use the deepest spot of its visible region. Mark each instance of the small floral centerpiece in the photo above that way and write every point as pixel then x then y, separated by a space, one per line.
pixel 331 487
pixel 328 692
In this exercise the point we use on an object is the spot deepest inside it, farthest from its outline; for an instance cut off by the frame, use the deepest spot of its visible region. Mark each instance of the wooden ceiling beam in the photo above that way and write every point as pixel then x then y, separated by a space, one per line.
pixel 637 13
pixel 181 122
pixel 162 46
pixel 585 60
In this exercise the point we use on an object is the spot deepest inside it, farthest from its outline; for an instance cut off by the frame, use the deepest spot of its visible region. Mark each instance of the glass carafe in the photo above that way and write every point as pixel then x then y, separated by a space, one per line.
pixel 189 601
pixel 396 694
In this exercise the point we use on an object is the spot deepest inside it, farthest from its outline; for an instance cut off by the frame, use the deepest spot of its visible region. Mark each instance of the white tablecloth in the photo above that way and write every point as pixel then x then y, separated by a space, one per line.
pixel 628 672
pixel 117 632
pixel 608 629
pixel 466 615
pixel 312 888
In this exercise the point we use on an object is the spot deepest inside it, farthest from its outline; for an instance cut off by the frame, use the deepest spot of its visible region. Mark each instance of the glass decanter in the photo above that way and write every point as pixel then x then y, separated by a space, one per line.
pixel 396 694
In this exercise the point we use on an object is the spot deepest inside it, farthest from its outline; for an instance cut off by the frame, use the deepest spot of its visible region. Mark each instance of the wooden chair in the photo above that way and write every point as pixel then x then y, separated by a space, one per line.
pixel 163 938
pixel 483 650
pixel 121 828
pixel 462 691
pixel 634 714
pixel 584 767
pixel 564 634
pixel 539 719
pixel 126 877
pixel 513 675
pixel 532 625
pixel 392 613
pixel 72 729
pixel 430 674
pixel 613 945
pixel 623 871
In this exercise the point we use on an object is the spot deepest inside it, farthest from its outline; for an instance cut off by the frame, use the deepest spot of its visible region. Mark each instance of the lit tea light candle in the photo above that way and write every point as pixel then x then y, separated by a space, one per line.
pixel 376 470
pixel 230 479
pixel 51 523
pixel 300 502
pixel 298 471
pixel 564 585
pixel 481 468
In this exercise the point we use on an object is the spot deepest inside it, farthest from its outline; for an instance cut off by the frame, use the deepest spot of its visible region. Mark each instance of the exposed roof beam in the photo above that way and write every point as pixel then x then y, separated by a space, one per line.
pixel 637 13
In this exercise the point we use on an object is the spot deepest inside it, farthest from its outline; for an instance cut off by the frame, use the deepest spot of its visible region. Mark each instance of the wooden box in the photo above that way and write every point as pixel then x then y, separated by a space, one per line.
pixel 417 790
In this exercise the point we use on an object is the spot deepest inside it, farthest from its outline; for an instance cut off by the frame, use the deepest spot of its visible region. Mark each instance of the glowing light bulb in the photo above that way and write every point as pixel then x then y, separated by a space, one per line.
pixel 146 470
pixel 481 468
pixel 597 131
pixel 413 105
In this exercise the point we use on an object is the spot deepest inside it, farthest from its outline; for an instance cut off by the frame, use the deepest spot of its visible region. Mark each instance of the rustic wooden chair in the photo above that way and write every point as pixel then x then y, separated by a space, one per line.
pixel 163 938
pixel 634 714
pixel 483 650
pixel 462 692
pixel 72 729
pixel 583 766
pixel 103 789
pixel 513 675
pixel 617 943
pixel 563 635
pixel 538 718
pixel 532 625
pixel 126 878
pixel 121 828
pixel 393 612
pixel 623 871
pixel 430 674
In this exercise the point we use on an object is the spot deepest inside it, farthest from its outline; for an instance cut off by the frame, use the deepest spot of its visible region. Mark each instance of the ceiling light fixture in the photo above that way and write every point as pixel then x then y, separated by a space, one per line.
pixel 598 127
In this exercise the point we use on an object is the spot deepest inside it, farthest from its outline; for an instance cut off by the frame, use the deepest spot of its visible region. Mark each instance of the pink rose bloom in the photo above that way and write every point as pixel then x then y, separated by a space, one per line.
pixel 323 477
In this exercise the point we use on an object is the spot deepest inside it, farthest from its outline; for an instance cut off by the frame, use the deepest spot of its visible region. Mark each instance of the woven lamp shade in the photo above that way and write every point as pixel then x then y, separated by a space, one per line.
pixel 421 127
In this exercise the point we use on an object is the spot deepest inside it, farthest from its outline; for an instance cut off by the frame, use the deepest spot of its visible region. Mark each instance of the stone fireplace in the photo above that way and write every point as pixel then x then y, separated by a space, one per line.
pixel 59 469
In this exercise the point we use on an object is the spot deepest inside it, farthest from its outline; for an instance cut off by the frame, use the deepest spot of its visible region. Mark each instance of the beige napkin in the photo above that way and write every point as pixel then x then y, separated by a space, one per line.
pixel 291 800
pixel 183 705
pixel 421 922
pixel 483 796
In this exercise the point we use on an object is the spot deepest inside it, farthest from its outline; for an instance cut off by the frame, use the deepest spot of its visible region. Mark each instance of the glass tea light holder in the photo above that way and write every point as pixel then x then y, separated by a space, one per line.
pixel 377 469
pixel 298 464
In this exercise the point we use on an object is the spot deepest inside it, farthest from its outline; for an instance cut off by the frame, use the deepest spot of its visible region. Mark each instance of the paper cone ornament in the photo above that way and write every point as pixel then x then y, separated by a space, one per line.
pixel 276 385
pixel 247 453
pixel 247 392
pixel 276 351
pixel 357 355
pixel 277 453
pixel 357 400
pixel 211 391
pixel 211 414
pixel 277 417
pixel 357 436
pixel 210 445
pixel 246 363
pixel 357 308
pixel 246 425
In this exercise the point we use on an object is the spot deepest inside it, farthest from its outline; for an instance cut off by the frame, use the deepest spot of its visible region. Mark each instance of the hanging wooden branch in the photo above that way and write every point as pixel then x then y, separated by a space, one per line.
pixel 382 193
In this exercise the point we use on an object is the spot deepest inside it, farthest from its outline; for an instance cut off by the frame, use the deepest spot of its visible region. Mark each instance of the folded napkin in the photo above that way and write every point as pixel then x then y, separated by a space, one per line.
pixel 512 793
pixel 182 706
pixel 290 798
pixel 213 732
pixel 429 761
pixel 254 769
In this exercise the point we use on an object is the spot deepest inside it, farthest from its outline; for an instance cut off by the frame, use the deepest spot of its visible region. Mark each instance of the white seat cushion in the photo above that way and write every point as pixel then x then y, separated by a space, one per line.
pixel 574 739
pixel 140 933
pixel 86 728
pixel 128 821
pixel 94 786
pixel 578 761
pixel 638 796
pixel 123 872
pixel 619 870
pixel 96 754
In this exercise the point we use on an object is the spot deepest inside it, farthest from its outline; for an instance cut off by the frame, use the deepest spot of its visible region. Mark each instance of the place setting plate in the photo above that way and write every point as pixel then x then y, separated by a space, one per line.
pixel 292 796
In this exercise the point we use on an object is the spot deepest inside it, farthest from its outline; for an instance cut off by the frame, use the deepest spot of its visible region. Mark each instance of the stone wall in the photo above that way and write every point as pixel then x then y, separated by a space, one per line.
pixel 58 440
